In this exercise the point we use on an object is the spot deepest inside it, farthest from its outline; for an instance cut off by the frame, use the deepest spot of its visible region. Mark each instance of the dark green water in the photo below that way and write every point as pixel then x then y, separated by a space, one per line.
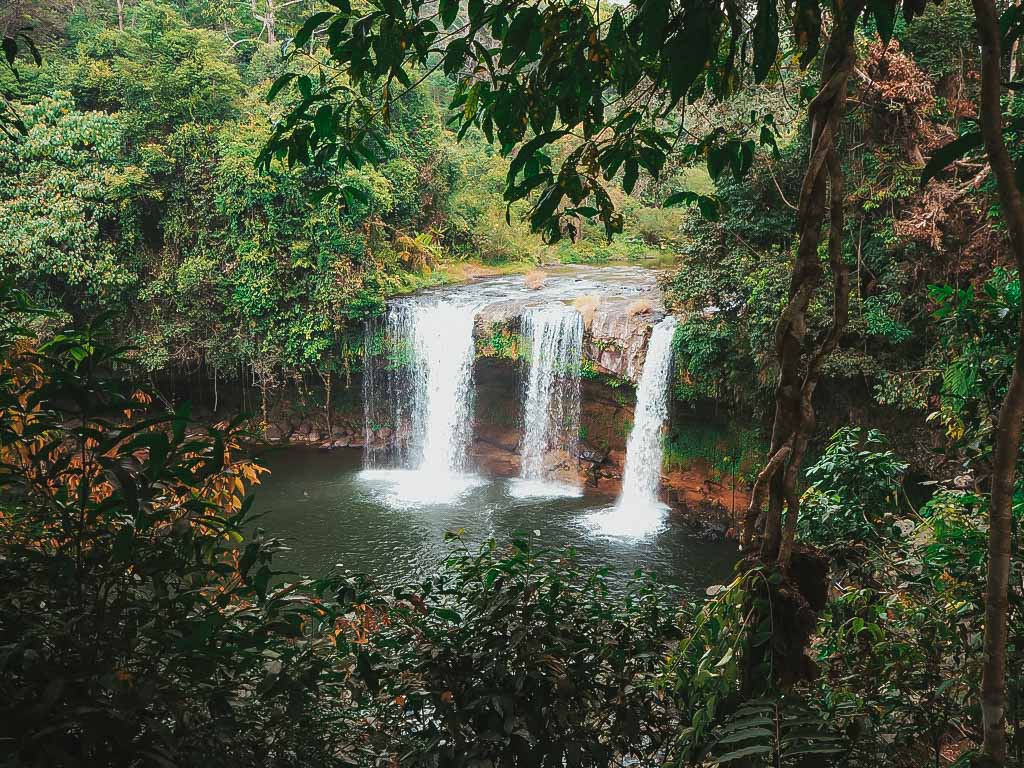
pixel 330 513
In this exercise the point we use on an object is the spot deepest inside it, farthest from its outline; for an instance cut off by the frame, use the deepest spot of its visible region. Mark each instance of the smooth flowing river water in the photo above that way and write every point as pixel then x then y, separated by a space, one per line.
pixel 333 513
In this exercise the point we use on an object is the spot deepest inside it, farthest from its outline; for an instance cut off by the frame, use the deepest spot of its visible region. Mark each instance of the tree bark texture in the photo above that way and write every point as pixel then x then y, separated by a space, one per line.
pixel 1008 429
pixel 799 359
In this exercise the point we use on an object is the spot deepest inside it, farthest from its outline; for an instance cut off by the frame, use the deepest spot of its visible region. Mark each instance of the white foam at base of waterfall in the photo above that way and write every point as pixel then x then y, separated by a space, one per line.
pixel 638 512
pixel 521 488
pixel 418 487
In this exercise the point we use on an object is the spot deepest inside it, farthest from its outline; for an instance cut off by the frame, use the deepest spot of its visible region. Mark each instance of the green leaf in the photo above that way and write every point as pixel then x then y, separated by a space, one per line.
pixel 709 207
pixel 688 52
pixel 525 23
pixel 528 150
pixel 807 26
pixel 447 614
pixel 1011 24
pixel 680 197
pixel 718 159
pixel 449 9
pixel 654 19
pixel 10 49
pixel 36 57
pixel 767 139
pixel 324 121
pixel 306 32
pixel 630 176
pixel 476 10
pixel 766 38
pixel 742 158
pixel 755 749
pixel 884 12
pixel 746 733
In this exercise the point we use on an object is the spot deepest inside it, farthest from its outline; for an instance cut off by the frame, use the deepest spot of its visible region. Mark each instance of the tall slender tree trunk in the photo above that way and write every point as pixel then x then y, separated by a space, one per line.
pixel 1014 61
pixel 271 23
pixel 1008 429
pixel 800 363
pixel 794 602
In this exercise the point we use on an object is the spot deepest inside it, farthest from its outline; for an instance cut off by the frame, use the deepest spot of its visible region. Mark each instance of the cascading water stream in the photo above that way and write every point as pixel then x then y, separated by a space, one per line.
pixel 642 475
pixel 423 398
pixel 551 403
pixel 638 511
pixel 440 406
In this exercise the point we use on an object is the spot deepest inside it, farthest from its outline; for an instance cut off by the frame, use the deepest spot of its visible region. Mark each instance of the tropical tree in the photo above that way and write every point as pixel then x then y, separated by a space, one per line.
pixel 59 203
pixel 995 35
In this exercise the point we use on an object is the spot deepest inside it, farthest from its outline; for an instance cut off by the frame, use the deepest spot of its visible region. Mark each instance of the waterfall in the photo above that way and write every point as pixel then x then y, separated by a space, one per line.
pixel 642 476
pixel 440 371
pixel 551 401
pixel 638 511
pixel 419 402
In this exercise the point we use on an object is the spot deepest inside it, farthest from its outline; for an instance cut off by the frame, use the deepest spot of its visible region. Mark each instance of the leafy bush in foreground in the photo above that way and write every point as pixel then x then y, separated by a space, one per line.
pixel 514 657
pixel 137 625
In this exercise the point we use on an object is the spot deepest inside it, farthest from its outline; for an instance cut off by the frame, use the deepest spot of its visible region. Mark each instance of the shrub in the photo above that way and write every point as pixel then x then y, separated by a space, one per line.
pixel 512 656
pixel 137 625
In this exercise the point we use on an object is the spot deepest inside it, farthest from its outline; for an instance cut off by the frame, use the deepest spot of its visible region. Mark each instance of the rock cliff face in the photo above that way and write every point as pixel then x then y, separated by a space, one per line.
pixel 614 344
pixel 617 338
pixel 605 420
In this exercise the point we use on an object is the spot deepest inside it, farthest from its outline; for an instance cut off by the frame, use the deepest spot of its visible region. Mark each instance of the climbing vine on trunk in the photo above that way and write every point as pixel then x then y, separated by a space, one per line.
pixel 800 360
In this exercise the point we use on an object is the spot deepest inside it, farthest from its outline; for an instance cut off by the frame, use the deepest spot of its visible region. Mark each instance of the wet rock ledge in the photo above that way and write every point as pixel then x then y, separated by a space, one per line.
pixel 617 330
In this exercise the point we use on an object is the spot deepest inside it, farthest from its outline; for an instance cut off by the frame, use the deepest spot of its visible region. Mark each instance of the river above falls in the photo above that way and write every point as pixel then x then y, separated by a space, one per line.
pixel 333 514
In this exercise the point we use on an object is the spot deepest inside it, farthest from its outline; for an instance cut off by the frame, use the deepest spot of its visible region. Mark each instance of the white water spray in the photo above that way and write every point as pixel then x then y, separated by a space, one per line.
pixel 551 406
pixel 638 510
pixel 429 398
pixel 441 373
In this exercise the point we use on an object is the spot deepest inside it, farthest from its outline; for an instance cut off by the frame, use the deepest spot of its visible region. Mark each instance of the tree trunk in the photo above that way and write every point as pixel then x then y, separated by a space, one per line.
pixel 1008 430
pixel 328 380
pixel 796 599
pixel 799 367
pixel 120 15
pixel 270 23
pixel 1014 62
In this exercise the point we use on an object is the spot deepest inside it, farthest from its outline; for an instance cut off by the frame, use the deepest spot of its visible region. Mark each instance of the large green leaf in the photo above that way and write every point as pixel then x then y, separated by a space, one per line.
pixel 884 12
pixel 312 23
pixel 448 9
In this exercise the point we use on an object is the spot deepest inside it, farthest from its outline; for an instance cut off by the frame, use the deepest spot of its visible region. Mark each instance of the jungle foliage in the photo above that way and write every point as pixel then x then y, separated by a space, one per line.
pixel 234 187
pixel 132 185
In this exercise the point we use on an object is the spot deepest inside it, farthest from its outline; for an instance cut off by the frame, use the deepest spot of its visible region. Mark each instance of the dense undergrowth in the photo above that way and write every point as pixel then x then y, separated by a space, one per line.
pixel 143 622
pixel 908 247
